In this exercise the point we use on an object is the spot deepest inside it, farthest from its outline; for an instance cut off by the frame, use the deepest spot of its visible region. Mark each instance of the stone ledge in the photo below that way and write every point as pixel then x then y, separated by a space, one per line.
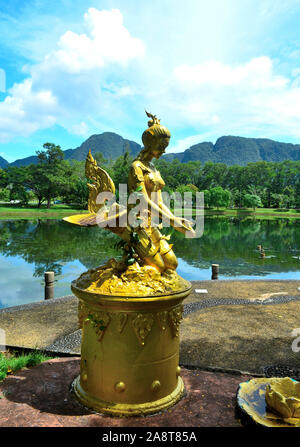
pixel 241 326
pixel 39 324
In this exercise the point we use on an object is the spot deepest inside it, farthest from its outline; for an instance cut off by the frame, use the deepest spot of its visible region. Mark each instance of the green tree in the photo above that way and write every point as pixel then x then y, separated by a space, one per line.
pixel 260 177
pixel 3 178
pixel 52 154
pixel 252 201
pixel 213 175
pixel 4 194
pixel 188 188
pixel 77 192
pixel 54 171
pixel 219 197
pixel 21 181
pixel 19 193
pixel 289 191
pixel 279 200
pixel 98 156
pixel 207 198
pixel 120 169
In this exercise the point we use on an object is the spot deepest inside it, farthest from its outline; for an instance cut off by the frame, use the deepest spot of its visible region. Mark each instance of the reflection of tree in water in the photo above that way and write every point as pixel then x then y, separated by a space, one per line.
pixel 231 242
pixel 41 268
pixel 50 243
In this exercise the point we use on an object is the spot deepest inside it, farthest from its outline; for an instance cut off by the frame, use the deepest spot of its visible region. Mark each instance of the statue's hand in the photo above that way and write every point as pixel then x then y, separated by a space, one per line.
pixel 183 225
pixel 187 224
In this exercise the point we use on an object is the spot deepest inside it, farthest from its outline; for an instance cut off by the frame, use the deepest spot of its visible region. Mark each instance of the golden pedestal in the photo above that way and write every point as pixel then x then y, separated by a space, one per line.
pixel 129 352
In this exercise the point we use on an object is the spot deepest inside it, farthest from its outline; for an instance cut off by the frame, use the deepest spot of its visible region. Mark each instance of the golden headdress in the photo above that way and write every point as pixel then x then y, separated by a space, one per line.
pixel 155 129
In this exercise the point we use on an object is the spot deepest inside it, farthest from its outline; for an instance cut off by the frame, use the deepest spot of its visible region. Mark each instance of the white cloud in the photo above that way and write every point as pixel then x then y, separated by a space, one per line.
pixel 255 74
pixel 66 85
pixel 24 111
pixel 237 100
pixel 187 142
pixel 120 90
pixel 110 42
pixel 81 129
pixel 97 79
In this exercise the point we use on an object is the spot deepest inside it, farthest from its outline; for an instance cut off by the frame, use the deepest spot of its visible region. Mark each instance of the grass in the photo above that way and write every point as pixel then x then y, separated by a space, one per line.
pixel 15 211
pixel 9 363
pixel 261 212
pixel 243 212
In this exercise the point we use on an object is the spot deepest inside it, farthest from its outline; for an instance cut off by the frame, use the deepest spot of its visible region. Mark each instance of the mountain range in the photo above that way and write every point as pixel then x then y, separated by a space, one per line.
pixel 238 150
pixel 110 144
pixel 227 149
pixel 3 163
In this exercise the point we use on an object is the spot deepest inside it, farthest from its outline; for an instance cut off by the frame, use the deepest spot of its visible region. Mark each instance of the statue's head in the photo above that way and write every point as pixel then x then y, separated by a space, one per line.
pixel 156 138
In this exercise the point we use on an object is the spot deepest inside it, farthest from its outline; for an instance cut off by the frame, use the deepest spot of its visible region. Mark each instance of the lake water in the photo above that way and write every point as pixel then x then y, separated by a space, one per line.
pixel 29 248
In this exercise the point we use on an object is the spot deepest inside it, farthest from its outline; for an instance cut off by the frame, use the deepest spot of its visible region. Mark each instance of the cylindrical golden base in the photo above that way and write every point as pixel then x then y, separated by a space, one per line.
pixel 129 352
pixel 117 409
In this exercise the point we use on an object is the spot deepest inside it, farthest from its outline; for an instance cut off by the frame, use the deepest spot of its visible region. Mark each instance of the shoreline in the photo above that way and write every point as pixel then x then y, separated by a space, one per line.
pixel 9 213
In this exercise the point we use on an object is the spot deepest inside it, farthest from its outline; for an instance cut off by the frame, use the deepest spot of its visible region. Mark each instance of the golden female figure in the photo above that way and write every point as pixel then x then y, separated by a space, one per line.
pixel 150 245
pixel 144 176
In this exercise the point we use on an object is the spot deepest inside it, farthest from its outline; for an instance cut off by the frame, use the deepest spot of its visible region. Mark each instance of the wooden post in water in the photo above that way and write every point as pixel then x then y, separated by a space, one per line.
pixel 215 271
pixel 49 285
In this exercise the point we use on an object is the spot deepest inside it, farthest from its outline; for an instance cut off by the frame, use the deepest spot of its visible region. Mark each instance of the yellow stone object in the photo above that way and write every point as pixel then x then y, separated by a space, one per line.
pixel 149 244
pixel 283 397
pixel 273 402
pixel 130 310
pixel 129 351
pixel 136 280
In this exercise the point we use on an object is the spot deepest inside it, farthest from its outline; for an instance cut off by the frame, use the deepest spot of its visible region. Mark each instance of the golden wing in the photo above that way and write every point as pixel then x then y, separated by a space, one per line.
pixel 102 182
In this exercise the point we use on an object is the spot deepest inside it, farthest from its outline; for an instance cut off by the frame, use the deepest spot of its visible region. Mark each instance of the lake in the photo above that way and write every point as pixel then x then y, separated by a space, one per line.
pixel 28 248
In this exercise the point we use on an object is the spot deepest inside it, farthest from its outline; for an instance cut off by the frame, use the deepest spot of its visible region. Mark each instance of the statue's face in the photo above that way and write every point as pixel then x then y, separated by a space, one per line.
pixel 160 146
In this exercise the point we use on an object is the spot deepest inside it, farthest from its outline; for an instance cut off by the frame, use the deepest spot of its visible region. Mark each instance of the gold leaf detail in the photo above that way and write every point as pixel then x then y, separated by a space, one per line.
pixel 142 325
pixel 175 316
pixel 162 318
pixel 100 322
pixel 82 313
pixel 122 319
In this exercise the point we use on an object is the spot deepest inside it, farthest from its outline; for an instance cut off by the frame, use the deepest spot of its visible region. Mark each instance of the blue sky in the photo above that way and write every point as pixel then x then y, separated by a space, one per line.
pixel 73 68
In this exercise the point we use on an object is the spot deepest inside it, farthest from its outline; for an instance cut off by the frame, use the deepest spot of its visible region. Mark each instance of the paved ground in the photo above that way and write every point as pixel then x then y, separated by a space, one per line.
pixel 38 324
pixel 237 325
pixel 40 397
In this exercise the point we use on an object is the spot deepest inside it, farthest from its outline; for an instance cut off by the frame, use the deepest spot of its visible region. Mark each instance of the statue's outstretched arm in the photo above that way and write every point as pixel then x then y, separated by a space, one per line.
pixel 178 223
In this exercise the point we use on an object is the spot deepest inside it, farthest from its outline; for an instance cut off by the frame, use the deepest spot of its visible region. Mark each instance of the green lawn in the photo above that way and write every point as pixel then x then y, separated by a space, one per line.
pixel 243 212
pixel 14 211
pixel 9 363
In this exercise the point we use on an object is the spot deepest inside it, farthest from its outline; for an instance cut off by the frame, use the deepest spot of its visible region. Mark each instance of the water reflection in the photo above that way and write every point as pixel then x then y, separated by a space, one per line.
pixel 29 248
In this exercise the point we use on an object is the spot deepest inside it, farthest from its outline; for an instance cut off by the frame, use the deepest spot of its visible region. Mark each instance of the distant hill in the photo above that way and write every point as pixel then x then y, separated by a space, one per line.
pixel 238 150
pixel 3 163
pixel 228 149
pixel 24 161
pixel 110 144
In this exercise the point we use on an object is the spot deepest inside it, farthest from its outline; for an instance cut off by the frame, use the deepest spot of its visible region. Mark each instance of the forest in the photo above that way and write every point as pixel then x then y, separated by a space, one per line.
pixel 258 184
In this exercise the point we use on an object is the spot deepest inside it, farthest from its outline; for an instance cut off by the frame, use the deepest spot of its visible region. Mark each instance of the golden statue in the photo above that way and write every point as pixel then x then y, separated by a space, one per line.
pixel 130 310
pixel 144 245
